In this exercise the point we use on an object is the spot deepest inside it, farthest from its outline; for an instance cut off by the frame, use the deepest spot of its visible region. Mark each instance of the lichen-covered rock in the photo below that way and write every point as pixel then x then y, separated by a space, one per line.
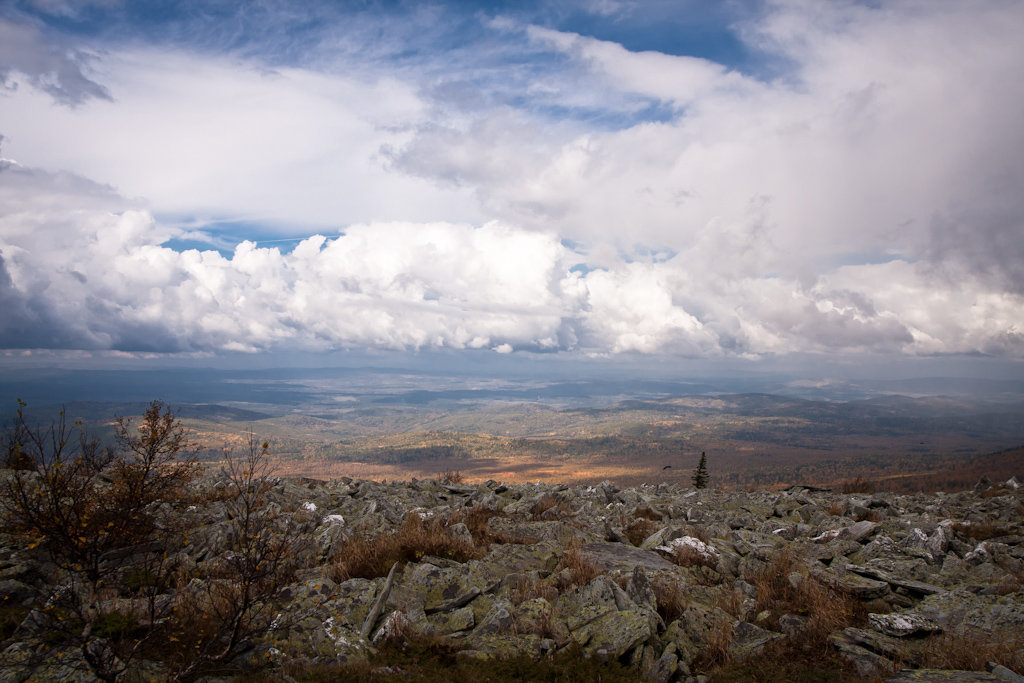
pixel 847 582
pixel 902 625
pixel 446 623
pixel 867 663
pixel 439 589
pixel 963 609
pixel 749 640
pixel 693 630
pixel 586 603
pixel 614 633
pixel 618 557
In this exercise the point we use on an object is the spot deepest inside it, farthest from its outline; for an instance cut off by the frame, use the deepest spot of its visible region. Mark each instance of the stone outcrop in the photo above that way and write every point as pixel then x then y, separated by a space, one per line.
pixel 922 567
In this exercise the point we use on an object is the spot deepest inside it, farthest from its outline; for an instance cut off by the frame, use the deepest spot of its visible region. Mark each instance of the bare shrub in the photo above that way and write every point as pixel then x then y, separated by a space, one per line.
pixel 99 513
pixel 219 613
pixel 452 477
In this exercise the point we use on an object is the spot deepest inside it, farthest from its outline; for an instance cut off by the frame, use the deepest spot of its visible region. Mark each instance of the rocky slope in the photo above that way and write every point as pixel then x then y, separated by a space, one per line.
pixel 673 583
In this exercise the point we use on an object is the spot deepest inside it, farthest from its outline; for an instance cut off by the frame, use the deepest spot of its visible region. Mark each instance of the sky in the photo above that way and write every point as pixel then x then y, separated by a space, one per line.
pixel 589 179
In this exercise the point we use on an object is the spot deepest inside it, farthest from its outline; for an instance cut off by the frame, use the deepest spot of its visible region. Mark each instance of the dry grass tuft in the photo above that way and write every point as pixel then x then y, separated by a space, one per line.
pixel 826 609
pixel 670 597
pixel 525 588
pixel 550 507
pixel 996 491
pixel 365 557
pixel 701 533
pixel 772 580
pixel 688 556
pixel 716 649
pixel 730 600
pixel 972 651
pixel 581 570
pixel 475 519
pixel 638 531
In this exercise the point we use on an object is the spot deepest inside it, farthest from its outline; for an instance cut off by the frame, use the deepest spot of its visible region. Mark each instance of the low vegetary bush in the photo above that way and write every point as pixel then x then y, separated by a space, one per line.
pixel 111 522
pixel 97 512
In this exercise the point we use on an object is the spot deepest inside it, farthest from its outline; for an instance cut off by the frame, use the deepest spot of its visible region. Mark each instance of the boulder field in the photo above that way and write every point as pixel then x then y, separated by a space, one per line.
pixel 671 582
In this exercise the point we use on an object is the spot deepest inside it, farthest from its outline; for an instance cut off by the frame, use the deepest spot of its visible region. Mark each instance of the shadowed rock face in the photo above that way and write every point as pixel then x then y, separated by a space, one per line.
pixel 922 567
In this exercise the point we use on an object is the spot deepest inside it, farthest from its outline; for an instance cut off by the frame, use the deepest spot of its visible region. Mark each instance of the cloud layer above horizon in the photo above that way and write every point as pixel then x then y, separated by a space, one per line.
pixel 820 177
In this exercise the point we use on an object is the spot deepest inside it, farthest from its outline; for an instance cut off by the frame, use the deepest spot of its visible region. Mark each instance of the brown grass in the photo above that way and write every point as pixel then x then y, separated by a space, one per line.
pixel 996 491
pixel 973 650
pixel 730 600
pixel 772 579
pixel 475 520
pixel 638 530
pixel 670 595
pixel 370 557
pixel 550 507
pixel 581 570
pixel 525 588
pixel 716 650
pixel 687 556
pixel 543 627
pixel 826 609
pixel 806 656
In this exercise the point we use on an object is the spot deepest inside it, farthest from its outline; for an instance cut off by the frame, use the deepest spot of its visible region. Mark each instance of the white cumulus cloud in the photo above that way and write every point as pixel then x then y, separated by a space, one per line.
pixel 558 192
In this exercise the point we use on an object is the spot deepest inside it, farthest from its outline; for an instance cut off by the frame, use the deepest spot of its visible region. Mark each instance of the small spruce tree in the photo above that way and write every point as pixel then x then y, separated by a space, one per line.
pixel 700 475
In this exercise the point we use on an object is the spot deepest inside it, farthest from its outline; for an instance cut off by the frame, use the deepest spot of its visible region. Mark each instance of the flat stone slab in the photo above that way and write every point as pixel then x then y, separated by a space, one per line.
pixel 621 557
pixel 853 584
pixel 919 587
